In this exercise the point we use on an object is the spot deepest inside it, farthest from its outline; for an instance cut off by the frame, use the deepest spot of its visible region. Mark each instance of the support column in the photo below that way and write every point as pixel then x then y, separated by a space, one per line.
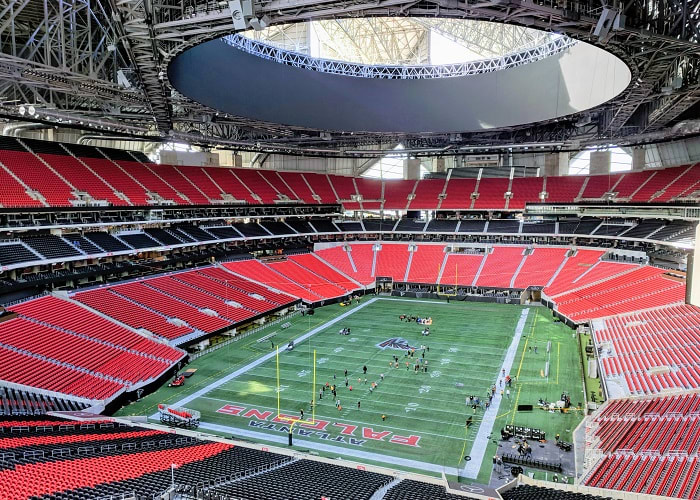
pixel 556 164
pixel 439 165
pixel 600 163
pixel 692 283
pixel 411 169
pixel 639 159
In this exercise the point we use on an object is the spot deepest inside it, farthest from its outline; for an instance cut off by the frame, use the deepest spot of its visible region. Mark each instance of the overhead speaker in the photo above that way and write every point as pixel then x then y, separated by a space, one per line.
pixel 241 12
pixel 605 23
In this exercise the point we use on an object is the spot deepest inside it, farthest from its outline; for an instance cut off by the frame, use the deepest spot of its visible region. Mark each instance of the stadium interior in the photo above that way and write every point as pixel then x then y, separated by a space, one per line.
pixel 265 249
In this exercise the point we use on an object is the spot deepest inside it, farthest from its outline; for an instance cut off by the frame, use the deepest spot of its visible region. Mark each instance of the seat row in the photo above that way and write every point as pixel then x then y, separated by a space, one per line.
pixel 55 179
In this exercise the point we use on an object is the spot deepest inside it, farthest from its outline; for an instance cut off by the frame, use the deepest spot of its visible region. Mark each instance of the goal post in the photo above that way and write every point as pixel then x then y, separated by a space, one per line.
pixel 286 418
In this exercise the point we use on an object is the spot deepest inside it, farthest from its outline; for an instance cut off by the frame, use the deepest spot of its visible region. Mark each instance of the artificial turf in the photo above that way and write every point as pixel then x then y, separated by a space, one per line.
pixel 465 352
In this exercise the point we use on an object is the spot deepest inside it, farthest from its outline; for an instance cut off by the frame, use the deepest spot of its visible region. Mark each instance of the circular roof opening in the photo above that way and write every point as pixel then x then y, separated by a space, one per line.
pixel 402 41
pixel 385 75
pixel 400 47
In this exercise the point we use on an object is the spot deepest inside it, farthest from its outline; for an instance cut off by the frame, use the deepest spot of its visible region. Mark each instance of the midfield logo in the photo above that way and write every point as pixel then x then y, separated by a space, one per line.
pixel 395 343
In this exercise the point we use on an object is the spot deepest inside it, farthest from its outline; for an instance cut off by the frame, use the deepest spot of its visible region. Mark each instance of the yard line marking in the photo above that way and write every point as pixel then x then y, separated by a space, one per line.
pixel 352 420
pixel 365 455
pixel 264 358
pixel 471 470
pixel 515 406
pixel 558 346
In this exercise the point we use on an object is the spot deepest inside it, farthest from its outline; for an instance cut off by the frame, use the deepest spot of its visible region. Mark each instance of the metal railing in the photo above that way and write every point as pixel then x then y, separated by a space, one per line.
pixel 399 72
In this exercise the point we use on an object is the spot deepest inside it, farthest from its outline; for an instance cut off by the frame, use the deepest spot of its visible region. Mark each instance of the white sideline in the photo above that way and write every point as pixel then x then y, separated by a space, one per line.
pixel 471 470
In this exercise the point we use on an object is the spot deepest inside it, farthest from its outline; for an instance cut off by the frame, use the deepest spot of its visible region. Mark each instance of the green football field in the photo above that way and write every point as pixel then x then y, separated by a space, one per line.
pixel 425 413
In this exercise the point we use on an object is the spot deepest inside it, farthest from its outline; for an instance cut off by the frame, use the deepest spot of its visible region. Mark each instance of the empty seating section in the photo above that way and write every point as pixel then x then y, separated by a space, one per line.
pixel 392 261
pixel 320 185
pixel 105 178
pixel 52 247
pixel 649 446
pixel 54 476
pixel 98 358
pixel 82 178
pixel 323 226
pixel 308 280
pixel 344 188
pixel 309 479
pixel 576 226
pixel 685 181
pixel 274 227
pixel 35 174
pixel 461 268
pixel 656 182
pixel 471 226
pixel 229 183
pixel 138 240
pixel 629 184
pixel 362 256
pixel 500 266
pixel 13 193
pixel 198 177
pixel 162 236
pixel 409 489
pixel 539 267
pixel 339 258
pixel 273 177
pixel 299 186
pixel 491 193
pixel 319 267
pixel 170 286
pixel 118 179
pixel 651 351
pixel 538 227
pixel 649 475
pixel 503 226
pixel 250 229
pixel 107 242
pixel 14 253
pixel 527 492
pixel 426 263
pixel 82 244
pixel 563 189
pixel 370 189
pixel 134 315
pixel 255 270
pixel 426 194
pixel 574 267
pixel 396 193
pixel 183 186
pixel 641 288
pixel 458 193
pixel 227 291
pixel 643 230
pixel 525 189
pixel 167 306
pixel 250 287
pixel 601 270
pixel 16 402
pixel 442 225
pixel 71 317
pixel 257 184
pixel 598 185
pixel 372 225
pixel 153 184
pixel 31 371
